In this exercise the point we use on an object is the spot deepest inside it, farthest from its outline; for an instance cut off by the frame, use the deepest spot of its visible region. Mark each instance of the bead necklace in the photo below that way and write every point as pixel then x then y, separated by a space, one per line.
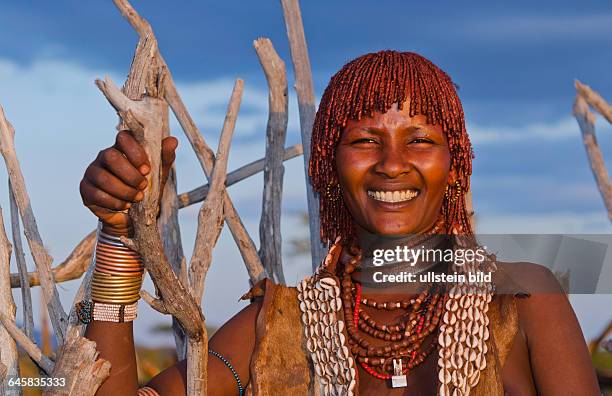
pixel 404 339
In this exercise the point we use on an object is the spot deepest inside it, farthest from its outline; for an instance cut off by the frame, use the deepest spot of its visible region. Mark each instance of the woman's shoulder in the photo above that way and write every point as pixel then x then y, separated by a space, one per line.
pixel 523 279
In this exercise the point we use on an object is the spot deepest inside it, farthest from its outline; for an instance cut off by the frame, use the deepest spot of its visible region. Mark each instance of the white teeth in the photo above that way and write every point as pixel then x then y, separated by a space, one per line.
pixel 393 196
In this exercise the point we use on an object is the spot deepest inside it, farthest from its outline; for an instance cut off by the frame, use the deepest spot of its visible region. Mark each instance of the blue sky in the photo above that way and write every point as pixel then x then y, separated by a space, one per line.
pixel 515 64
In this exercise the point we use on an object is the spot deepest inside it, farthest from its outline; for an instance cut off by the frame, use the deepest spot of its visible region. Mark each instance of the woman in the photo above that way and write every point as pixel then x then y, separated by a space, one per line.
pixel 391 161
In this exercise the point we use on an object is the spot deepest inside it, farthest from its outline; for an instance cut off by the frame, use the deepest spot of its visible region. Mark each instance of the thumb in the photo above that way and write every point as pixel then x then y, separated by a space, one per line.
pixel 169 145
pixel 168 153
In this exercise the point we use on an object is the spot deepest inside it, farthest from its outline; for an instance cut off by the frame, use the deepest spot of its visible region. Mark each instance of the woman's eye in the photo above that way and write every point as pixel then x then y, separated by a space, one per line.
pixel 364 140
pixel 421 140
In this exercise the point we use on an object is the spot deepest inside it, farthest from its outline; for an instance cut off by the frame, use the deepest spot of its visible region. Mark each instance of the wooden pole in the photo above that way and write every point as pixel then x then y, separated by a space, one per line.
pixel 306 105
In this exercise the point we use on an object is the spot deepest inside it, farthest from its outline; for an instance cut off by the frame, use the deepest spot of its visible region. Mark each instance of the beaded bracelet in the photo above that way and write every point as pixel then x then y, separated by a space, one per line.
pixel 229 365
pixel 88 310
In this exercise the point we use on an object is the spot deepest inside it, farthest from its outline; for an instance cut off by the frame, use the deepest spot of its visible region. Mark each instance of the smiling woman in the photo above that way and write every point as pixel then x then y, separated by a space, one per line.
pixel 391 161
pixel 391 168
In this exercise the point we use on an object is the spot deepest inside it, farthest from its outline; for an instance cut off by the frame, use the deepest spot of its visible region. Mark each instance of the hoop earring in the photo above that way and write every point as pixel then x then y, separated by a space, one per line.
pixel 453 197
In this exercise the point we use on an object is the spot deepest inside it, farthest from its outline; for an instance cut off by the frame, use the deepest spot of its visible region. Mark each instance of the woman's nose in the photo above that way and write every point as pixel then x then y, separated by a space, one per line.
pixel 394 162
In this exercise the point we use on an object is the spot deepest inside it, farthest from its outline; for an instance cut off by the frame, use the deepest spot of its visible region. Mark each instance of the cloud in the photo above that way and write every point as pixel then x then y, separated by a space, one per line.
pixel 207 102
pixel 541 28
pixel 544 223
pixel 556 130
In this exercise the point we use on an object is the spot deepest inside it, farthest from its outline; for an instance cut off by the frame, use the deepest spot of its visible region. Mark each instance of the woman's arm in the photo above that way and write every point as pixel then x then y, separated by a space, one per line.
pixel 115 342
pixel 557 350
pixel 235 341
pixel 111 184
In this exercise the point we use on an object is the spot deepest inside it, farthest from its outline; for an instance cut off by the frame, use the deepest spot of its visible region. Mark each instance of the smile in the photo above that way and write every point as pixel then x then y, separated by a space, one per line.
pixel 393 196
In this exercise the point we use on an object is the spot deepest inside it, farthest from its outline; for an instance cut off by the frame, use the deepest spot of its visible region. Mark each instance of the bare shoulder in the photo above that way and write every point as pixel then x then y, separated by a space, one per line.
pixel 234 341
pixel 526 277
pixel 551 330
pixel 541 295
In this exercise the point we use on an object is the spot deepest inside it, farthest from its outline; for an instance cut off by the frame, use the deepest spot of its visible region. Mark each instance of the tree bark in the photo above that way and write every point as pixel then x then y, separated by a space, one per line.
pixel 270 224
pixel 198 194
pixel 26 295
pixel 78 362
pixel 42 259
pixel 306 105
pixel 8 348
pixel 586 121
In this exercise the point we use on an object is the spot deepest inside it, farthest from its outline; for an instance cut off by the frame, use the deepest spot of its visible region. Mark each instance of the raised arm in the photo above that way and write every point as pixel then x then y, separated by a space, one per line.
pixel 112 182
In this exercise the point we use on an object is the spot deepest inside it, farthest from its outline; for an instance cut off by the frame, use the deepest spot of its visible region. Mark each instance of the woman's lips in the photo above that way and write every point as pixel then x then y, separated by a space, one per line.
pixel 393 196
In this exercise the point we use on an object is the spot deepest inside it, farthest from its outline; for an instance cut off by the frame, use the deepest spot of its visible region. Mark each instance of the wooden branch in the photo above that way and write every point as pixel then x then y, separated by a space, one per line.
pixel 269 225
pixel 3 371
pixel 84 290
pixel 147 117
pixel 147 241
pixel 198 194
pixel 210 223
pixel 142 27
pixel 155 303
pixel 210 218
pixel 594 100
pixel 306 104
pixel 197 366
pixel 26 295
pixel 42 259
pixel 469 208
pixel 8 348
pixel 79 259
pixel 586 121
pixel 203 152
pixel 168 224
pixel 78 362
pixel 27 345
pixel 206 158
pixel 71 268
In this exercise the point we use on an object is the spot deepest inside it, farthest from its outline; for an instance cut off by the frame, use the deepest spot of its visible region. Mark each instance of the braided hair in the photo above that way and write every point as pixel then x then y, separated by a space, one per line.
pixel 373 83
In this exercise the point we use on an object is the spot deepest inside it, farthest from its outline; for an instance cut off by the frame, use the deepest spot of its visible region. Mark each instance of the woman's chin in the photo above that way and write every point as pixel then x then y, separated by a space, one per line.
pixel 391 230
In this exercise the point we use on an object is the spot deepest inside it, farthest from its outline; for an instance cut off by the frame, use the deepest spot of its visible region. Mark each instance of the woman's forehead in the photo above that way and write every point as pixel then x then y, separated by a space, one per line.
pixel 393 118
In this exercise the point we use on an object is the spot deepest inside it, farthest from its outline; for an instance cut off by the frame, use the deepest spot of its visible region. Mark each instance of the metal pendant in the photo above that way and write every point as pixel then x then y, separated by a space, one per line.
pixel 398 380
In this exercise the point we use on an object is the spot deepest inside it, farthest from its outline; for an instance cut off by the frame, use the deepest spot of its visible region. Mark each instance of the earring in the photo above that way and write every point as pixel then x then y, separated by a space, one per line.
pixel 332 192
pixel 457 193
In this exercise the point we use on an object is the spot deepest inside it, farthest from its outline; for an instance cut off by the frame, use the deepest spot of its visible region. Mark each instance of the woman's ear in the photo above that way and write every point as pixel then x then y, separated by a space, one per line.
pixel 452 177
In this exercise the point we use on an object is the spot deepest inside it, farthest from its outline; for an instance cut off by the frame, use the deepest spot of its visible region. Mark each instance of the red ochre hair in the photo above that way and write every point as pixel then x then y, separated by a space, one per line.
pixel 373 83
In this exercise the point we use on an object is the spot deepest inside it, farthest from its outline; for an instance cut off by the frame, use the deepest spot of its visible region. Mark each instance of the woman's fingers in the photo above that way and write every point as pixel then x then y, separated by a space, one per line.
pixel 92 195
pixel 118 164
pixel 116 178
pixel 134 152
pixel 110 217
pixel 111 184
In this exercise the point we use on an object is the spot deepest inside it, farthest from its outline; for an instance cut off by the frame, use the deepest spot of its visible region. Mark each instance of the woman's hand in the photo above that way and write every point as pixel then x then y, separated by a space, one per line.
pixel 116 179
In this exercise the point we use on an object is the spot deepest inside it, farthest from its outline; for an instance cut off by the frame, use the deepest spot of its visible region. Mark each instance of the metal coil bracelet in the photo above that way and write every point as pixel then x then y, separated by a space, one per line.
pixel 117 276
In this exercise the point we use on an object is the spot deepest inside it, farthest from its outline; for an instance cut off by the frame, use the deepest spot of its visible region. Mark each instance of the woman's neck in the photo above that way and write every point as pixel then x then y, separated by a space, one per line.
pixel 396 254
pixel 385 250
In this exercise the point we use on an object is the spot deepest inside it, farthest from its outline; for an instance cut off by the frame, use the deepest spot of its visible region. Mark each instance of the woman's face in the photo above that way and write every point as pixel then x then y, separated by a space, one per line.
pixel 393 170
